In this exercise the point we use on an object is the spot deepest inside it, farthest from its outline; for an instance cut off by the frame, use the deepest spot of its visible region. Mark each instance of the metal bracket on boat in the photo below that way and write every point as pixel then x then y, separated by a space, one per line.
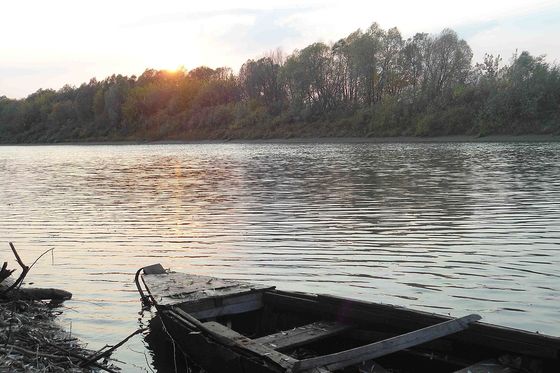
pixel 154 269
pixel 146 301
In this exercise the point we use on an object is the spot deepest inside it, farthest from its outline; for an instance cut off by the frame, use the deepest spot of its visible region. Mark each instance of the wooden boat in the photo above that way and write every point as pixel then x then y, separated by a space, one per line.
pixel 232 326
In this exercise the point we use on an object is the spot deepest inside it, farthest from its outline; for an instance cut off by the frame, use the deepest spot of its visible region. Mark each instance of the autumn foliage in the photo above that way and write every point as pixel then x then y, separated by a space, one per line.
pixel 370 83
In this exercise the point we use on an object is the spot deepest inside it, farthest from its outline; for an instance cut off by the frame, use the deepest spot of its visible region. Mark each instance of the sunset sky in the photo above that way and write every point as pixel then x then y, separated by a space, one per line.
pixel 46 44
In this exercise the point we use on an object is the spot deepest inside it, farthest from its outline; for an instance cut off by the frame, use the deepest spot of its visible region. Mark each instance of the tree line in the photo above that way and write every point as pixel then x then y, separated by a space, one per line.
pixel 370 83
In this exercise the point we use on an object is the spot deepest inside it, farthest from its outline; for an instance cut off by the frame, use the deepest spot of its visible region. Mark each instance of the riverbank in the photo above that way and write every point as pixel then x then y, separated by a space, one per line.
pixel 324 140
pixel 411 139
pixel 31 341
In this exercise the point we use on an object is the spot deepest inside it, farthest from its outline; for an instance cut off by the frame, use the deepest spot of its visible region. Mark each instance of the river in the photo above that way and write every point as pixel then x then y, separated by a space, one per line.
pixel 452 228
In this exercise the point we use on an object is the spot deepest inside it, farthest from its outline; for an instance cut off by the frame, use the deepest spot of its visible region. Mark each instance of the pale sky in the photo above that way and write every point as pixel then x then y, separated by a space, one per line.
pixel 46 44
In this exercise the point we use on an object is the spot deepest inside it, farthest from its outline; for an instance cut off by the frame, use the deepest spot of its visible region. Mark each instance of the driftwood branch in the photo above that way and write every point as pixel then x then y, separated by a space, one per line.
pixel 30 293
pixel 7 348
pixel 44 294
pixel 5 272
pixel 24 270
pixel 20 262
pixel 82 358
pixel 40 256
pixel 108 352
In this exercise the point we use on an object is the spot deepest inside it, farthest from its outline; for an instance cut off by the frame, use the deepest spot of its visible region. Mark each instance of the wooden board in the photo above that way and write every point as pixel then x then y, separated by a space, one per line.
pixel 248 344
pixel 231 305
pixel 374 350
pixel 213 352
pixel 174 288
pixel 302 335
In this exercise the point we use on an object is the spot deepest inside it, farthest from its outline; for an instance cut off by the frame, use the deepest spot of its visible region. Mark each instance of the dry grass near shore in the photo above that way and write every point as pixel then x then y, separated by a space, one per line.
pixel 31 341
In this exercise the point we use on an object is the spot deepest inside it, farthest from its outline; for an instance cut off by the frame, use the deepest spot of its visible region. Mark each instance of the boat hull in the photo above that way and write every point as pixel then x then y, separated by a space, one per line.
pixel 229 326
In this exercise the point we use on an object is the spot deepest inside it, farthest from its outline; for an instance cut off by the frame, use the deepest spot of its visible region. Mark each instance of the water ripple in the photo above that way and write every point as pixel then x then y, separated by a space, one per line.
pixel 453 228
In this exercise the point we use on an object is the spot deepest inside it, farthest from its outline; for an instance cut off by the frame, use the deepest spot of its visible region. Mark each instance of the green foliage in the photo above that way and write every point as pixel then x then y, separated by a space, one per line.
pixel 521 98
pixel 260 82
pixel 370 83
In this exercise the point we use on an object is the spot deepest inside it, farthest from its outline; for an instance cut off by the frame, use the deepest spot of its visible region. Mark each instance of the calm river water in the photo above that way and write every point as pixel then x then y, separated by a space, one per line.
pixel 452 228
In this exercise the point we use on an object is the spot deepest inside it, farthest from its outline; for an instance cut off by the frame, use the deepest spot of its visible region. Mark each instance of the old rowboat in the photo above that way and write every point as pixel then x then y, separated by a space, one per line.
pixel 232 326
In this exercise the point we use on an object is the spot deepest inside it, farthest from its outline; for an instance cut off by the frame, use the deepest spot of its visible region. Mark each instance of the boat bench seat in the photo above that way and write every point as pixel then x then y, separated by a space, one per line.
pixel 302 335
pixel 487 366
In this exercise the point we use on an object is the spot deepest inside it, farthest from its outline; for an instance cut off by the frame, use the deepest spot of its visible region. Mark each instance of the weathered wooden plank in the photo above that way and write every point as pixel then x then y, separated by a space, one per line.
pixel 179 285
pixel 225 306
pixel 374 350
pixel 250 345
pixel 175 288
pixel 211 351
pixel 302 335
pixel 235 343
pixel 487 366
pixel 368 336
pixel 213 302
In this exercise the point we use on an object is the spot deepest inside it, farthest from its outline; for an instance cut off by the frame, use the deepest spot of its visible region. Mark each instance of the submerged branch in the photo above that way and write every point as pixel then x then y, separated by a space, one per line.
pixel 108 352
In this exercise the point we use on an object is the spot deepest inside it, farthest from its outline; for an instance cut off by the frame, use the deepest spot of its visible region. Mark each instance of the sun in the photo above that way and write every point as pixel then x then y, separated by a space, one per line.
pixel 169 59
pixel 171 71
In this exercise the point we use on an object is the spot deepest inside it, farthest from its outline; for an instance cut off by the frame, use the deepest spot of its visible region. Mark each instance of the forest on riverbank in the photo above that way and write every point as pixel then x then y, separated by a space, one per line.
pixel 370 83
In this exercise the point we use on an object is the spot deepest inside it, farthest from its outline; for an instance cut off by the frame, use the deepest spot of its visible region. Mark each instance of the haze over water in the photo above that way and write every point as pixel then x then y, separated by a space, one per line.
pixel 452 228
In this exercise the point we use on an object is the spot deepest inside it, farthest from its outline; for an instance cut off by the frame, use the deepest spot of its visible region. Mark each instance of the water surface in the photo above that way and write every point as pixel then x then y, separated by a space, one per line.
pixel 450 228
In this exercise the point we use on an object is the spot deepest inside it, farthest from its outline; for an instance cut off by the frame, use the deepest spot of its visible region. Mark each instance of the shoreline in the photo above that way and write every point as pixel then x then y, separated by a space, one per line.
pixel 321 140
